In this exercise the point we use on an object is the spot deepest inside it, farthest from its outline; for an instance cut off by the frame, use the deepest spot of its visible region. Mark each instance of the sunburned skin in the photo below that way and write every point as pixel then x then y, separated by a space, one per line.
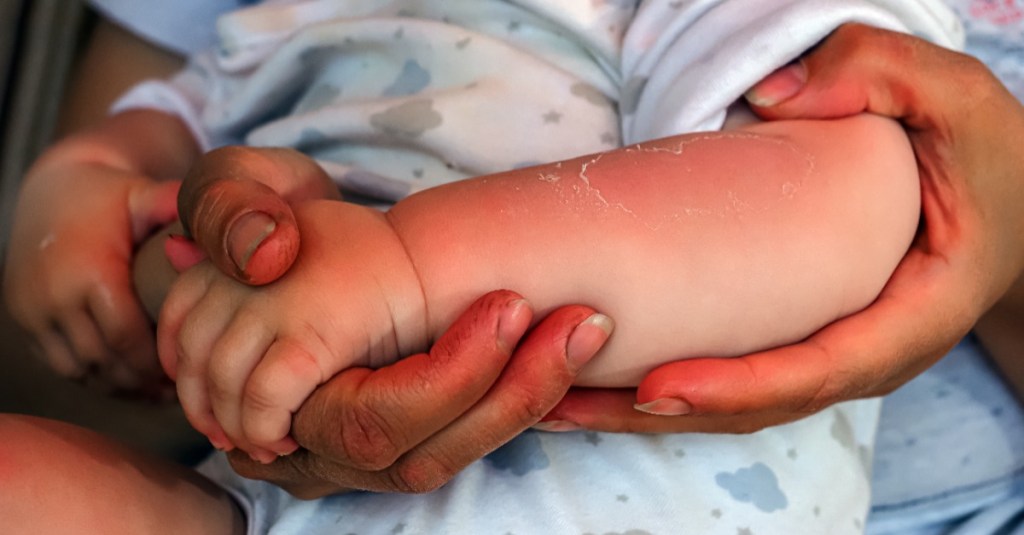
pixel 748 191
pixel 703 245
pixel 761 238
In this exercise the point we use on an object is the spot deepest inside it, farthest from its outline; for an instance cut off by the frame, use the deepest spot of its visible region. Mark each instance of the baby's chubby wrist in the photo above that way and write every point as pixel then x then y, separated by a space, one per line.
pixel 378 281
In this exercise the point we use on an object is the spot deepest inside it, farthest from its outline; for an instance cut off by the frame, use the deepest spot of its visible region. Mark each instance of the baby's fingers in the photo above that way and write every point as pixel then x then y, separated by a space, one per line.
pixel 86 342
pixel 282 381
pixel 127 334
pixel 234 357
pixel 56 352
pixel 191 320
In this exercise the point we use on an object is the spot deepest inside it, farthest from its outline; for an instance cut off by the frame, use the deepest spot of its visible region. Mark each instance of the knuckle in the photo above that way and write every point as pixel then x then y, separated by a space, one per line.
pixel 219 376
pixel 219 391
pixel 855 36
pixel 367 439
pixel 827 393
pixel 259 396
pixel 974 81
pixel 420 475
pixel 525 406
pixel 311 473
pixel 833 385
pixel 876 46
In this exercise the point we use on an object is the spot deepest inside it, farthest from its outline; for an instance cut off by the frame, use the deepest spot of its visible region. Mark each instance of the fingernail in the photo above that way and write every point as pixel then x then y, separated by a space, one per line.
pixel 556 426
pixel 513 324
pixel 182 252
pixel 221 443
pixel 665 407
pixel 263 456
pixel 246 235
pixel 778 86
pixel 285 446
pixel 587 339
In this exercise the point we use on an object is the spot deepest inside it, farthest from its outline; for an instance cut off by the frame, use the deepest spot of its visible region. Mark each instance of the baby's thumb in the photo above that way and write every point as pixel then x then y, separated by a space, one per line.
pixel 153 205
pixel 244 226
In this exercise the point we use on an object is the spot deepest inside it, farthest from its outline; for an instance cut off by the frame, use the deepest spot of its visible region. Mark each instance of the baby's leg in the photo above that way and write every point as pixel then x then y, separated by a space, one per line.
pixel 57 478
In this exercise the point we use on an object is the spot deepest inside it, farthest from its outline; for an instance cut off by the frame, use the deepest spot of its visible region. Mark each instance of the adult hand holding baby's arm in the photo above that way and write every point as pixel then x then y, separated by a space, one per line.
pixel 415 402
pixel 965 128
pixel 414 425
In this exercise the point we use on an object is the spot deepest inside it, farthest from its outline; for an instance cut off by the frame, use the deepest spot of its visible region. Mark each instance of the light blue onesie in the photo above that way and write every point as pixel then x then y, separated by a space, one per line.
pixel 396 96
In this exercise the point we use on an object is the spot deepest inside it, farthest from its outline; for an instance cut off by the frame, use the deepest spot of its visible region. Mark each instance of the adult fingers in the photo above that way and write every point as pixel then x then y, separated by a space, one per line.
pixel 864 69
pixel 615 410
pixel 234 203
pixel 535 378
pixel 367 419
pixel 353 431
pixel 867 354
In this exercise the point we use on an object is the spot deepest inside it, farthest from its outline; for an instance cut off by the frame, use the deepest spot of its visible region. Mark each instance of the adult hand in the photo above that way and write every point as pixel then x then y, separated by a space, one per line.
pixel 965 128
pixel 411 426
pixel 234 203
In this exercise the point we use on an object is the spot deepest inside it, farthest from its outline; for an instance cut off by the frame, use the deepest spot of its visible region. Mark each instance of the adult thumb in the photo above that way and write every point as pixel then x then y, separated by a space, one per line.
pixel 235 204
pixel 856 69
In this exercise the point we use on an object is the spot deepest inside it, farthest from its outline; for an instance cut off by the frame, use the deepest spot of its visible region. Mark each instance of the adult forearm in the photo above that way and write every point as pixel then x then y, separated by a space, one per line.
pixel 701 245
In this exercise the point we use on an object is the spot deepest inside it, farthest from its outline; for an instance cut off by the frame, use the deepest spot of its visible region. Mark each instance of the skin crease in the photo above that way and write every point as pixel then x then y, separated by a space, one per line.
pixel 733 243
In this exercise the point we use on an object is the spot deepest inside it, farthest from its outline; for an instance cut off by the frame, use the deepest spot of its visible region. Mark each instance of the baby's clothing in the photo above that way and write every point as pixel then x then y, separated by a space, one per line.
pixel 950 449
pixel 392 97
pixel 387 95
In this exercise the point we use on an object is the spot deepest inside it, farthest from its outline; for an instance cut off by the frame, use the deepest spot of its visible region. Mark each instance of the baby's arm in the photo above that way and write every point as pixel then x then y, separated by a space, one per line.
pixel 713 244
pixel 709 244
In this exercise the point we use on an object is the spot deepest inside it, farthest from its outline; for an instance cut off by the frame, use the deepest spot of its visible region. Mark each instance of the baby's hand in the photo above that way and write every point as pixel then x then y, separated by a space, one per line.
pixel 246 358
pixel 80 214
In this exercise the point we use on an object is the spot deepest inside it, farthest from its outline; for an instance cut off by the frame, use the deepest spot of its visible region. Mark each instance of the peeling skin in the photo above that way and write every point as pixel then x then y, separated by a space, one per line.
pixel 739 198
